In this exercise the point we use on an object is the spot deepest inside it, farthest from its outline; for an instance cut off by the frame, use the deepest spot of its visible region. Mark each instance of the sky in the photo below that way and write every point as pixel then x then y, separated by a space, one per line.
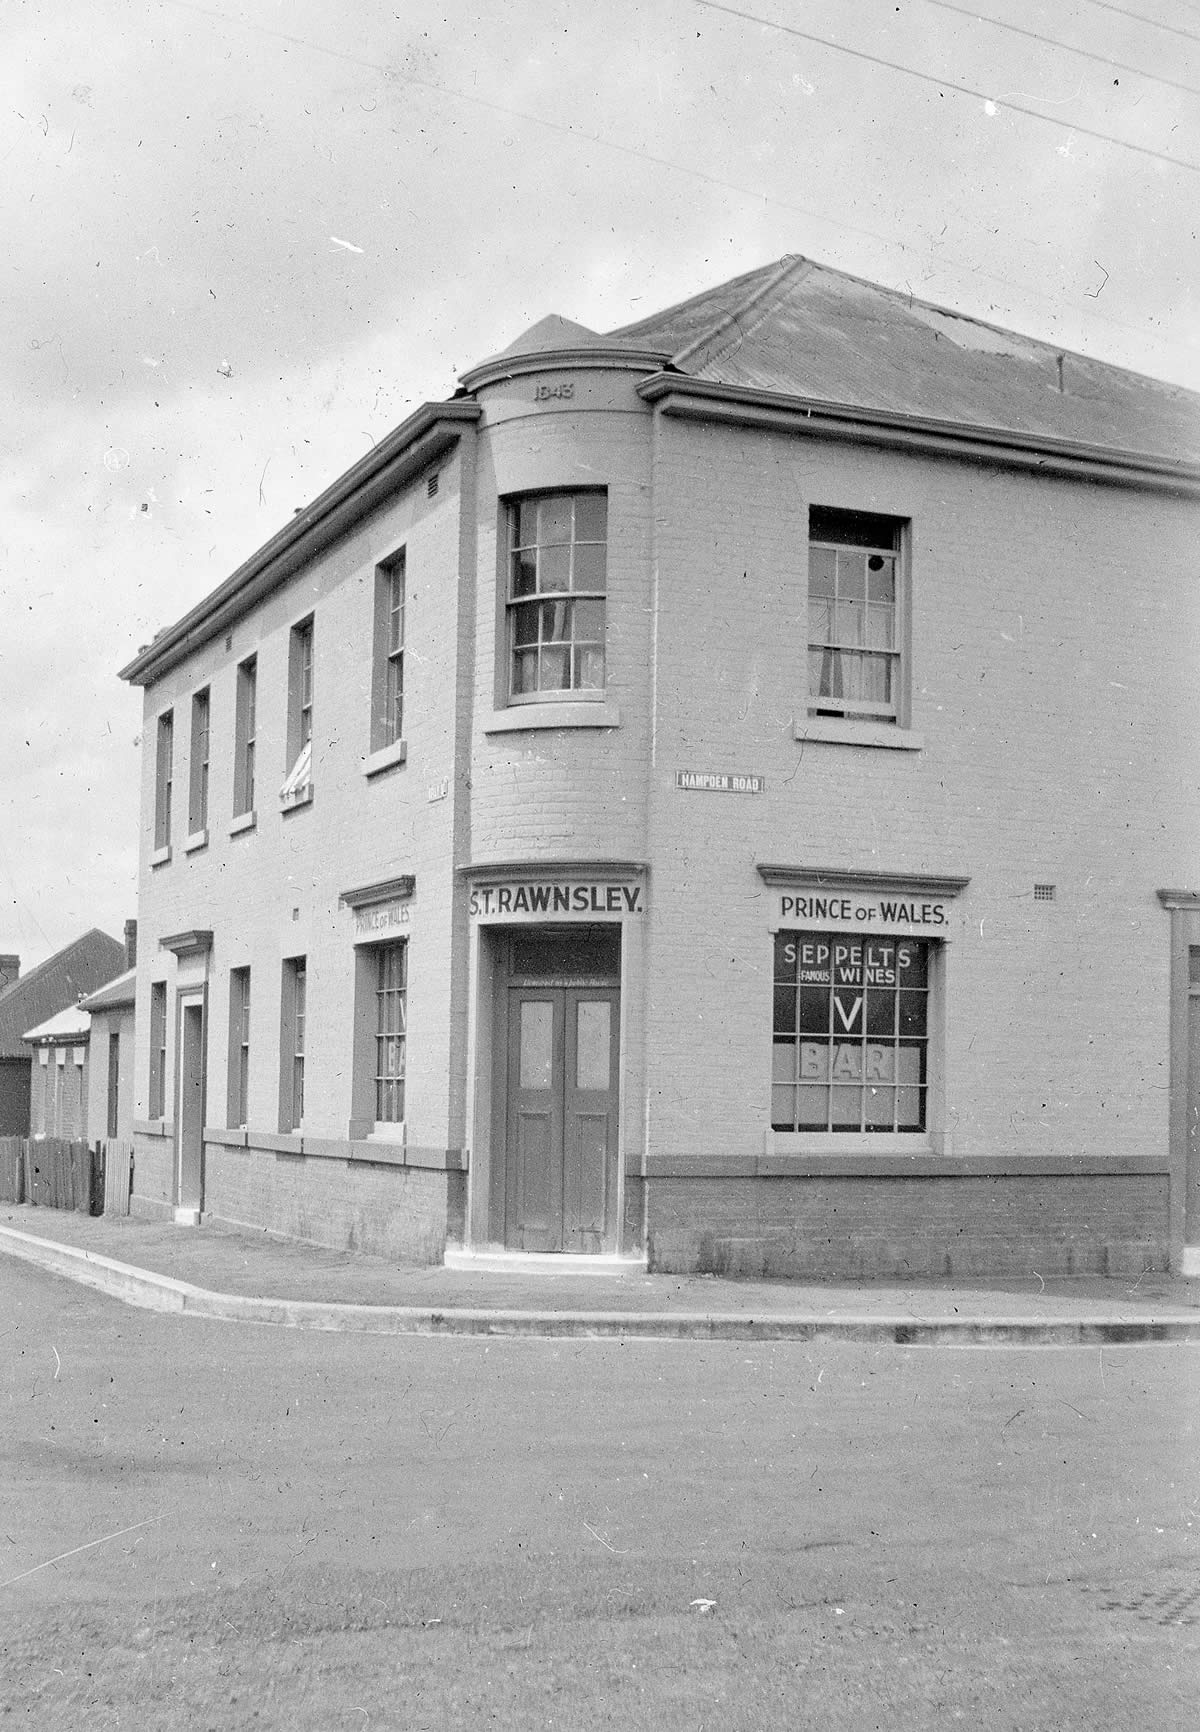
pixel 246 240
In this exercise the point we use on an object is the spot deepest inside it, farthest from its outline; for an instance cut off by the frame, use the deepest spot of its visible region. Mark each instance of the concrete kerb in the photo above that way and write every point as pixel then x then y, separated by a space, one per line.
pixel 154 1292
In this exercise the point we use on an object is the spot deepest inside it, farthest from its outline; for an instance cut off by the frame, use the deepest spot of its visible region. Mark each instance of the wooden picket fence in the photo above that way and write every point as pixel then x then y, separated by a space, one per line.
pixel 118 1175
pixel 54 1174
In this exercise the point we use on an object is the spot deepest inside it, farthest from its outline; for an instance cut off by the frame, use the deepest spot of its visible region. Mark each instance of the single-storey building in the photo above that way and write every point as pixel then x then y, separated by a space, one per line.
pixel 29 1000
pixel 720 794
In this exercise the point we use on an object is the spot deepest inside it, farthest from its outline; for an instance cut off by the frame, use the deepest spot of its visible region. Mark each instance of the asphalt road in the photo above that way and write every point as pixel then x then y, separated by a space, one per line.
pixel 215 1525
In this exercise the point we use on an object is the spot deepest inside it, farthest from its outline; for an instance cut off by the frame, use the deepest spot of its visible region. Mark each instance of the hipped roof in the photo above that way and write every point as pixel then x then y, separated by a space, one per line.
pixel 801 330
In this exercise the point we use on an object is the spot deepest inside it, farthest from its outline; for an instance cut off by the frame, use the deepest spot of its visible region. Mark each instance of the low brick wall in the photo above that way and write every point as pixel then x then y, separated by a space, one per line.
pixel 860 1227
pixel 403 1212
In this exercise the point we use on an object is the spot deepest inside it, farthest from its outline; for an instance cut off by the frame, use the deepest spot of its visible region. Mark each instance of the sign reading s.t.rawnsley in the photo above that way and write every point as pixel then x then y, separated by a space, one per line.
pixel 556 897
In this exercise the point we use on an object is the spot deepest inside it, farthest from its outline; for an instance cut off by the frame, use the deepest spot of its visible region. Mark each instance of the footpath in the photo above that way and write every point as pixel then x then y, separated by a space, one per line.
pixel 244 1276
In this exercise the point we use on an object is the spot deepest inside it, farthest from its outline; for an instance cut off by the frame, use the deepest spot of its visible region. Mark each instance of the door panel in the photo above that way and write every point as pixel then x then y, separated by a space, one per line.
pixel 190 1185
pixel 590 1117
pixel 561 1119
pixel 534 1169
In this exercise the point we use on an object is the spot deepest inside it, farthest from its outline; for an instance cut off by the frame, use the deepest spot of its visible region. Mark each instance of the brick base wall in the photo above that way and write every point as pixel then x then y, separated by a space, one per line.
pixel 406 1213
pixel 856 1228
pixel 153 1177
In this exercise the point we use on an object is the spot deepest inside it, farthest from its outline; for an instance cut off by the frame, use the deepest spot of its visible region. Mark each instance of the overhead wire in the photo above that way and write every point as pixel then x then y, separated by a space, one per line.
pixel 949 84
pixel 1141 18
pixel 581 136
pixel 1053 42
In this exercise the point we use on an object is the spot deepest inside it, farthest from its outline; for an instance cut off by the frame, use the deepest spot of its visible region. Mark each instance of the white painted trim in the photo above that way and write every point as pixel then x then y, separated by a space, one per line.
pixel 834 731
pixel 498 1262
pixel 570 715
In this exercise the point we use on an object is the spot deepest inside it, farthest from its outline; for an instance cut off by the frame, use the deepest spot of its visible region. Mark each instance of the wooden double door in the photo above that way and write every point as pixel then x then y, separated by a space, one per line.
pixel 561 1048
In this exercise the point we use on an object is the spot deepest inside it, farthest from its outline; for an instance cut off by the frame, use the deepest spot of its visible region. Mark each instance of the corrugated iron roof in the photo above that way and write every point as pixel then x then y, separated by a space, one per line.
pixel 800 330
pixel 67 1024
pixel 56 984
pixel 116 995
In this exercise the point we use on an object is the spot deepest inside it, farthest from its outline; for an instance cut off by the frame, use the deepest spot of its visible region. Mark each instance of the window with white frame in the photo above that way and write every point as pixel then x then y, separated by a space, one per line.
pixel 556 596
pixel 391 1031
pixel 851 1032
pixel 855 615
pixel 198 779
pixel 297 786
pixel 387 674
pixel 158 1049
pixel 163 780
pixel 244 746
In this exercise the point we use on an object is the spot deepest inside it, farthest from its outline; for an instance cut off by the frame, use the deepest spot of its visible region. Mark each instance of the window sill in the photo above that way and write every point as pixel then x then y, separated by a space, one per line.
pixel 243 822
pixel 295 797
pixel 377 1131
pixel 386 758
pixel 845 731
pixel 161 856
pixel 851 1145
pixel 198 839
pixel 571 715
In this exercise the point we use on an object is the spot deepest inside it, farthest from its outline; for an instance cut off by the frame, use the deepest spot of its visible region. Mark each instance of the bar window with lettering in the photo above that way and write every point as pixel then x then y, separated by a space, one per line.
pixel 851 1033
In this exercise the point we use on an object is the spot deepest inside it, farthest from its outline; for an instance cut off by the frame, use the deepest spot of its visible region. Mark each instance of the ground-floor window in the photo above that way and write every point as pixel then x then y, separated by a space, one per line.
pixel 391 1031
pixel 158 1049
pixel 851 1032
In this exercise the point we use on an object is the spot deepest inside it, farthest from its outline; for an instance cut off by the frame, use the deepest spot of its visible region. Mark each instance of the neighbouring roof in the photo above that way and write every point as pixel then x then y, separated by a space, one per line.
pixel 54 985
pixel 800 330
pixel 74 1023
pixel 117 995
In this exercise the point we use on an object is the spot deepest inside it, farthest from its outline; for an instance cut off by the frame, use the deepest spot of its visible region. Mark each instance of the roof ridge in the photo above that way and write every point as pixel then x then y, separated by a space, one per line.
pixel 765 297
pixel 40 968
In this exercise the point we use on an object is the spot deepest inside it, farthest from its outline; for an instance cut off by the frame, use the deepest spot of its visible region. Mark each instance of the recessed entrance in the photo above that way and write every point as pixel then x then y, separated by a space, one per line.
pixel 189 1191
pixel 557 1055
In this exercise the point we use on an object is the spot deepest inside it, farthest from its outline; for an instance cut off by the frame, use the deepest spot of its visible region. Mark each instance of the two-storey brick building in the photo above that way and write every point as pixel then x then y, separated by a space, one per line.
pixel 723 791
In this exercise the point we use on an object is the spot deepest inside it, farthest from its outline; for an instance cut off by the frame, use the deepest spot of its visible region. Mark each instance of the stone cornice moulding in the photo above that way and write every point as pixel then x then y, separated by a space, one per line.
pixel 196 939
pixel 1189 899
pixel 506 870
pixel 386 890
pixel 392 464
pixel 828 878
pixel 706 400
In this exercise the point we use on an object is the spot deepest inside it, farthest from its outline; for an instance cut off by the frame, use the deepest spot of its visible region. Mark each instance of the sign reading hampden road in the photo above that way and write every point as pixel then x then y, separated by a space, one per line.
pixel 556 898
pixel 718 782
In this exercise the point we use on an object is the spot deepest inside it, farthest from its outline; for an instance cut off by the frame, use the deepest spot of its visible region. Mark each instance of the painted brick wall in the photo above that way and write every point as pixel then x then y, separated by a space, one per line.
pixel 1056 689
pixel 399 1212
pixel 272 893
pixel 574 794
pixel 1007 1225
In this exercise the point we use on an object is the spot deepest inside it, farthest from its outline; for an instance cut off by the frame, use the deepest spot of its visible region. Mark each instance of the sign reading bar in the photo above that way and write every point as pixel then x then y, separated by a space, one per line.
pixel 836 910
pixel 718 782
pixel 556 898
pixel 383 917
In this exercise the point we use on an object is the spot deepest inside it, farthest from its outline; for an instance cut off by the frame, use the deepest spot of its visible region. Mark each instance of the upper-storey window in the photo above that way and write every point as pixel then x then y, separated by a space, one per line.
pixel 198 789
pixel 557 580
pixel 297 786
pixel 244 739
pixel 388 677
pixel 163 778
pixel 855 615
